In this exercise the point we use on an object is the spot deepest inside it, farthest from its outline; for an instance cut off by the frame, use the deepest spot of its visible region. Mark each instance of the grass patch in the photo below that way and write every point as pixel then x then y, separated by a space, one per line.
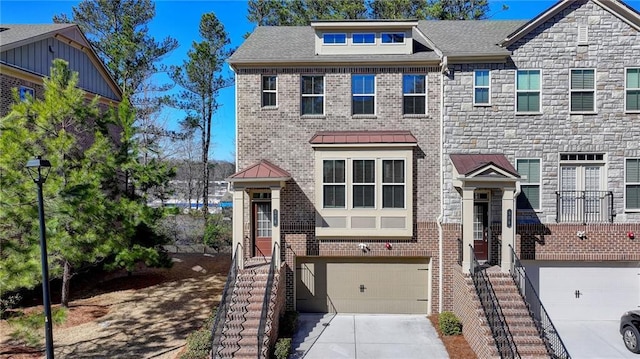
pixel 28 329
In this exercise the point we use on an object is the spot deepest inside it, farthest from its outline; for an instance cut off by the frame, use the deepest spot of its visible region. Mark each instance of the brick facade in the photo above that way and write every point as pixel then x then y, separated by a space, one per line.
pixel 7 83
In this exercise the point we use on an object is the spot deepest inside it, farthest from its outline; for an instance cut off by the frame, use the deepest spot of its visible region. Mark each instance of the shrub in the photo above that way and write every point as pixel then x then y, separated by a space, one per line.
pixel 283 348
pixel 449 324
pixel 199 342
pixel 27 328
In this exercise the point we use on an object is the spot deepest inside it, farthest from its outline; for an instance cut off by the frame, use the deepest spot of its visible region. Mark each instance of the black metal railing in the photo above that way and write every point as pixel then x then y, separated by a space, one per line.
pixel 546 329
pixel 224 305
pixel 495 318
pixel 267 299
pixel 584 206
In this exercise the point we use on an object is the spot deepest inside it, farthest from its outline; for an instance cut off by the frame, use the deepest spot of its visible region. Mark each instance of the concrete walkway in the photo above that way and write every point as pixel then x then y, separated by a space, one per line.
pixel 370 336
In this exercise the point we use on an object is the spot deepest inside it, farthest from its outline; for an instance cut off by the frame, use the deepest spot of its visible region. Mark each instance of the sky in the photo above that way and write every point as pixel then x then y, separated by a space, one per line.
pixel 180 20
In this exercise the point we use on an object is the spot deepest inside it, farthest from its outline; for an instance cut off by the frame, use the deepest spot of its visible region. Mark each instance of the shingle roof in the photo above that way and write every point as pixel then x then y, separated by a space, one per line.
pixel 467 163
pixel 469 37
pixel 261 170
pixel 12 33
pixel 362 137
pixel 284 44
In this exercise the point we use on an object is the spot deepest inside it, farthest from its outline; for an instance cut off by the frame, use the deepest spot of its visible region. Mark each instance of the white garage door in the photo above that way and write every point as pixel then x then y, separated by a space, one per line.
pixel 362 285
pixel 586 290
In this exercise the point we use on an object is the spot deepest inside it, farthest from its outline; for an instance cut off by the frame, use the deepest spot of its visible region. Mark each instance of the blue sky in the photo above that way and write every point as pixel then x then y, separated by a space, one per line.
pixel 180 19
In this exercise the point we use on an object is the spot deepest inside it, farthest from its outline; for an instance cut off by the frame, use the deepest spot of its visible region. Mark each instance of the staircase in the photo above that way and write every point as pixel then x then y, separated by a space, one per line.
pixel 240 332
pixel 516 313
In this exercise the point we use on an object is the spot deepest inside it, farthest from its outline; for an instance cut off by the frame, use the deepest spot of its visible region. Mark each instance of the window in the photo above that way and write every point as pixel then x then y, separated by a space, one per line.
pixel 269 91
pixel 583 91
pixel 333 183
pixel 632 183
pixel 334 38
pixel 364 184
pixel 414 88
pixel 392 184
pixel 632 89
pixel 528 91
pixel 313 95
pixel 392 38
pixel 481 87
pixel 26 92
pixel 529 197
pixel 363 89
pixel 263 219
pixel 364 38
pixel 582 196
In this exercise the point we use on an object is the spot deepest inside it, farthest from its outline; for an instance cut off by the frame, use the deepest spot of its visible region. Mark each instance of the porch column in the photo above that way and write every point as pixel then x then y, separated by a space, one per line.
pixel 467 227
pixel 275 223
pixel 508 228
pixel 238 226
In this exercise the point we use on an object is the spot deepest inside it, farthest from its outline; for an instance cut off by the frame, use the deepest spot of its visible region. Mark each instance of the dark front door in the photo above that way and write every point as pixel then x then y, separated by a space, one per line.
pixel 262 229
pixel 481 231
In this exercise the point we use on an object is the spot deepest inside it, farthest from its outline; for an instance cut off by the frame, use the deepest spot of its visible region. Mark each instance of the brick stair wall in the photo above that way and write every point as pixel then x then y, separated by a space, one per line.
pixel 242 322
pixel 476 330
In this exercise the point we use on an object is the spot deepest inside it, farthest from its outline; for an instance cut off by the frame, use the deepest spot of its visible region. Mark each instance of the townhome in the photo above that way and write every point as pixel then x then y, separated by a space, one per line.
pixel 410 166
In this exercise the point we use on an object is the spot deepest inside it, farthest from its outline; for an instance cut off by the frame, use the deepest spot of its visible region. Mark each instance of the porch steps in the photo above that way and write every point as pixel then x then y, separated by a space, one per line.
pixel 240 332
pixel 514 308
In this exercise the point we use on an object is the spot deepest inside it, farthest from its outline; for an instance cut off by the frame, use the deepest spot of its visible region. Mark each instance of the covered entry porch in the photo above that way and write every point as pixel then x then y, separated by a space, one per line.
pixel 488 185
pixel 256 210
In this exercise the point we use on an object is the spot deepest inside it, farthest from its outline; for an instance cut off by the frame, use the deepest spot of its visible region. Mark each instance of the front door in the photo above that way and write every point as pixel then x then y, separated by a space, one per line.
pixel 262 229
pixel 481 231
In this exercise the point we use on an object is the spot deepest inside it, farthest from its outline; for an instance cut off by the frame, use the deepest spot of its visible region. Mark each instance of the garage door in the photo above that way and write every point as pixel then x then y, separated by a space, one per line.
pixel 586 291
pixel 356 285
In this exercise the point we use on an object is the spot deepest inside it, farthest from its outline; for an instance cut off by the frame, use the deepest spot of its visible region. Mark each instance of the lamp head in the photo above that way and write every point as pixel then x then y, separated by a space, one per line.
pixel 35 167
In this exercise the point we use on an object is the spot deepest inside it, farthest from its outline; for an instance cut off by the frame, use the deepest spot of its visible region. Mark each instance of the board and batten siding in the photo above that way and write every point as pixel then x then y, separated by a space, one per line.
pixel 36 57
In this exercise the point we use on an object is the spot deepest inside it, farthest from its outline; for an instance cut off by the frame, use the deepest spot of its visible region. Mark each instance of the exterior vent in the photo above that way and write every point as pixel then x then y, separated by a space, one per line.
pixel 583 35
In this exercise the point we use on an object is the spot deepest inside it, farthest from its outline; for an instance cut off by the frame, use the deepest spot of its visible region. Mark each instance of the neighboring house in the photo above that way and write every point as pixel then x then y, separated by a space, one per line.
pixel 26 55
pixel 375 156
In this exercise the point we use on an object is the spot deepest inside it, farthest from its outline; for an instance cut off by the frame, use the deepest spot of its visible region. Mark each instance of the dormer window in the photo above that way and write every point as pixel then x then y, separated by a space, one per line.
pixel 333 38
pixel 392 38
pixel 369 38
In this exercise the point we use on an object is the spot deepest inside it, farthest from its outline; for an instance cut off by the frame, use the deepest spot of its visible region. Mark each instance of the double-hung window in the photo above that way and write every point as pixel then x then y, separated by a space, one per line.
pixel 363 89
pixel 583 90
pixel 414 89
pixel 364 183
pixel 632 184
pixel 25 92
pixel 269 91
pixel 632 90
pixel 313 95
pixel 529 197
pixel 333 184
pixel 481 87
pixel 528 91
pixel 393 184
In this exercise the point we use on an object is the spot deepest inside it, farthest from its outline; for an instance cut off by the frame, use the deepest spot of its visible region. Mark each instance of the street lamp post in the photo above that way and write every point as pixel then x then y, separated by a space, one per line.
pixel 35 168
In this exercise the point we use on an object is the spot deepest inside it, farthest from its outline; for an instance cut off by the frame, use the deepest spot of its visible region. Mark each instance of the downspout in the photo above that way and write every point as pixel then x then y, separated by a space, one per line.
pixel 235 100
pixel 441 215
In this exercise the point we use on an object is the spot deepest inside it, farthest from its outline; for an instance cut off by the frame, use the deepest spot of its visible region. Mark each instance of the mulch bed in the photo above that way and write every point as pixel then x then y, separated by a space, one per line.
pixel 456 345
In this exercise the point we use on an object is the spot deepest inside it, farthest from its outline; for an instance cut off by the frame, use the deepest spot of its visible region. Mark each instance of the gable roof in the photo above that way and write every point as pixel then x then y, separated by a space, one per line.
pixel 615 7
pixel 16 35
pixel 263 170
pixel 467 164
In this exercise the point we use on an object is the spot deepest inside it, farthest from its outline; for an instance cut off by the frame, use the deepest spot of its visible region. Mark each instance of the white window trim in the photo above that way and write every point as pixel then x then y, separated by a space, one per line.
pixel 363 152
pixel 352 183
pixel 404 38
pixel 539 184
pixel 630 210
pixel 586 163
pixel 324 99
pixel 528 91
pixel 346 39
pixel 346 200
pixel 481 87
pixel 426 98
pixel 268 91
pixel 382 183
pixel 375 98
pixel 375 39
pixel 626 88
pixel 595 94
pixel 25 90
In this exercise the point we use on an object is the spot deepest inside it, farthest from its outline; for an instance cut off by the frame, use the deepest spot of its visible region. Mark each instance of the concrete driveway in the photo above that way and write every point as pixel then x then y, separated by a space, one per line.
pixel 371 336
pixel 597 339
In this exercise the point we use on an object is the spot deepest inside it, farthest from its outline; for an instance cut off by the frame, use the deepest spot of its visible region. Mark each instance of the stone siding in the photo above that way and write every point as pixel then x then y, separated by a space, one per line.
pixel 552 48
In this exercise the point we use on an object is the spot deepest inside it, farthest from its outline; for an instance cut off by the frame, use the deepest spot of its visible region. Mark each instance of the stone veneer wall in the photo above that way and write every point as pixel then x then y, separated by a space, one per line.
pixel 552 48
pixel 281 135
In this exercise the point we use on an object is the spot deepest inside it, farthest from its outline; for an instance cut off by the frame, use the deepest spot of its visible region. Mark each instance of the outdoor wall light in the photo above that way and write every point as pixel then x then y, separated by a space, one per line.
pixel 631 235
pixel 581 234
pixel 388 246
pixel 363 247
